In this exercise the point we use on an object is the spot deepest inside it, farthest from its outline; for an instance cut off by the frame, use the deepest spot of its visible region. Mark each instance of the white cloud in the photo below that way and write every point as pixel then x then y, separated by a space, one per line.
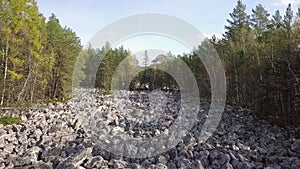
pixel 218 36
pixel 286 2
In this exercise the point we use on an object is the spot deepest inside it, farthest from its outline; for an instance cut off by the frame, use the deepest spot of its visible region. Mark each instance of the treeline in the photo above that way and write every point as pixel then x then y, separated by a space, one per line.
pixel 260 52
pixel 261 55
pixel 117 69
pixel 95 68
pixel 36 56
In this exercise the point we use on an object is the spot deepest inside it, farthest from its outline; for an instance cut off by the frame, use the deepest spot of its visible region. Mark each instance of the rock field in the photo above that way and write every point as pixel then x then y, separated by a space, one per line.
pixel 61 136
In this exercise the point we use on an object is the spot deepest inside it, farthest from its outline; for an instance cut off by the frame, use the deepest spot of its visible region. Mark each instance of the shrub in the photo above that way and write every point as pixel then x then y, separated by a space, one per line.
pixel 8 120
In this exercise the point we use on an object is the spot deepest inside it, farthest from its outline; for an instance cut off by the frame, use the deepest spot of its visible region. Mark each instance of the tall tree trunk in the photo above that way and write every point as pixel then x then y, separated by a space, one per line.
pixel 33 90
pixel 24 85
pixel 56 85
pixel 259 65
pixel 5 54
pixel 236 82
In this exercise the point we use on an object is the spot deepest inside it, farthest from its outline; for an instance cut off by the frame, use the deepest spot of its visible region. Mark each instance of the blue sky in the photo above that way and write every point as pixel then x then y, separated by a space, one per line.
pixel 86 17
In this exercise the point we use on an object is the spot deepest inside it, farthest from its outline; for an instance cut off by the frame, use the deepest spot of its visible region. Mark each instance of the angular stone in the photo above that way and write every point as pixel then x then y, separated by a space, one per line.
pixel 78 123
pixel 162 159
pixel 183 163
pixel 68 138
pixel 8 148
pixel 66 165
pixel 227 166
pixel 296 146
pixel 245 165
pixel 2 143
pixel 119 164
pixel 197 164
pixel 51 152
pixel 34 153
pixel 171 165
pixel 84 154
pixel 42 165
pixel 235 148
pixel 223 158
pixel 161 166
pixel 19 161
pixel 242 146
pixel 95 162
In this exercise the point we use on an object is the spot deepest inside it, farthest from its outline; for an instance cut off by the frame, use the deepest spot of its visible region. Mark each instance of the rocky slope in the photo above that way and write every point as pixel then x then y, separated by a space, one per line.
pixel 57 136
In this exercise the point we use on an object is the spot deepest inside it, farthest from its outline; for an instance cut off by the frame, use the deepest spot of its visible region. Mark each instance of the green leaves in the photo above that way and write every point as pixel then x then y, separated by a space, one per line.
pixel 288 17
pixel 15 75
pixel 31 55
pixel 262 62
pixel 239 19
pixel 65 46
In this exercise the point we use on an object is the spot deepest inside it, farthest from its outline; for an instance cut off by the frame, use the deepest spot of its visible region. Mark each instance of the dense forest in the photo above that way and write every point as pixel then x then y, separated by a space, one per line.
pixel 260 52
pixel 37 57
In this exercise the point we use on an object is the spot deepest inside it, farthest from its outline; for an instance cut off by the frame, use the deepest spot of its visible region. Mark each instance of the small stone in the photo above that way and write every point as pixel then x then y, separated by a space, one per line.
pixel 228 166
pixel 78 123
pixel 162 159
pixel 183 163
pixel 2 143
pixel 223 158
pixel 23 118
pixel 51 106
pixel 117 130
pixel 2 165
pixel 9 148
pixel 157 132
pixel 3 132
pixel 66 165
pixel 136 166
pixel 197 164
pixel 39 164
pixel 245 165
pixel 242 146
pixel 241 158
pixel 68 138
pixel 160 166
pixel 119 164
pixel 19 161
pixel 38 132
pixel 95 162
pixel 296 146
pixel 51 152
pixel 146 163
pixel 171 165
pixel 235 148
pixel 34 153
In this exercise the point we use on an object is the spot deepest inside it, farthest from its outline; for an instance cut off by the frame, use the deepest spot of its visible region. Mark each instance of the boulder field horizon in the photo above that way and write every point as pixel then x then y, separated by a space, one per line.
pixel 61 136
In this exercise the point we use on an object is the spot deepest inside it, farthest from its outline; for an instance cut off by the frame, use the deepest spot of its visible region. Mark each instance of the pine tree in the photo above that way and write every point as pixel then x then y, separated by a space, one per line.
pixel 259 20
pixel 277 20
pixel 65 46
pixel 239 20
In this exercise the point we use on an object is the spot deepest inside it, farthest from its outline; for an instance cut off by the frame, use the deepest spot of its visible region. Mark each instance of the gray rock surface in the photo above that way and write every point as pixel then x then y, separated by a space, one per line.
pixel 55 136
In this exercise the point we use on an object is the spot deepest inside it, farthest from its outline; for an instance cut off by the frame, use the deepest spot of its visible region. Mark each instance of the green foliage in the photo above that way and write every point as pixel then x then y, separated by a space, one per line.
pixel 8 120
pixel 239 19
pixel 109 61
pixel 37 58
pixel 262 64
pixel 261 56
pixel 65 46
